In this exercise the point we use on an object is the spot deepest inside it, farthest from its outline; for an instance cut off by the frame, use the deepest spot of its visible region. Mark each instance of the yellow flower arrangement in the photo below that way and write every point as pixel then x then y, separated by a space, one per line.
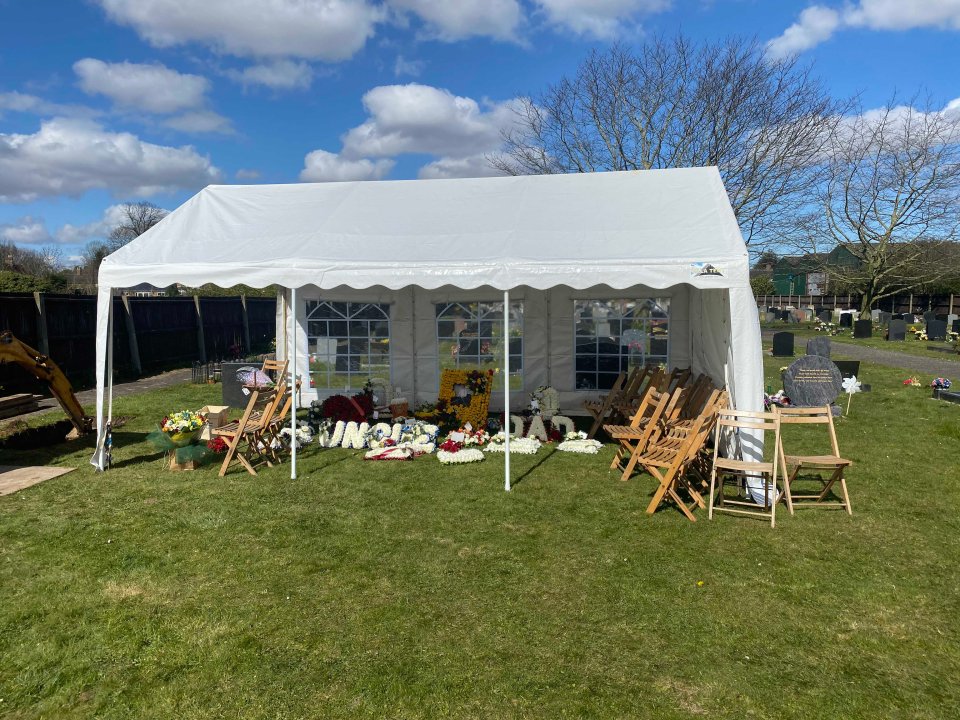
pixel 479 382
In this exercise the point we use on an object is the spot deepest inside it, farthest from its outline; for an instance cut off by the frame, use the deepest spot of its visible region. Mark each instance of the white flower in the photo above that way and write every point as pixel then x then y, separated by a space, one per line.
pixel 851 385
pixel 520 446
pixel 465 455
pixel 580 445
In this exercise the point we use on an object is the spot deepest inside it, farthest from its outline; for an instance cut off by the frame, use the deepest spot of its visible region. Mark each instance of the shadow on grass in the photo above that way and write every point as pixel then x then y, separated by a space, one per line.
pixel 530 469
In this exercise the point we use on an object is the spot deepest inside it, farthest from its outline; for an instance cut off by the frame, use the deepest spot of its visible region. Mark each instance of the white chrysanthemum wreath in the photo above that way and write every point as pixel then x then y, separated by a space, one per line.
pixel 519 446
pixel 462 456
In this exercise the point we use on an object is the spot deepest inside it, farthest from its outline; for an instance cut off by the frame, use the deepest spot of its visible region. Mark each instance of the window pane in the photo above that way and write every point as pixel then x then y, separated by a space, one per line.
pixel 470 336
pixel 349 348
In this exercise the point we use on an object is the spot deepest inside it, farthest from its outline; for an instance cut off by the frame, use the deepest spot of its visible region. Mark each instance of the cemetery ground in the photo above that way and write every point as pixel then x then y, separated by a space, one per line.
pixel 416 590
pixel 910 346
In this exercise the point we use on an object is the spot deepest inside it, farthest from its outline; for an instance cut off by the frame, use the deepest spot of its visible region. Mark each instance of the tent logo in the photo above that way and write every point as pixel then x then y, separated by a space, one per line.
pixel 704 269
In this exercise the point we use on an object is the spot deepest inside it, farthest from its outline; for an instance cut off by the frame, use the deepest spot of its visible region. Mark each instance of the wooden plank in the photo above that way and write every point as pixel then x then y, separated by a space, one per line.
pixel 13 478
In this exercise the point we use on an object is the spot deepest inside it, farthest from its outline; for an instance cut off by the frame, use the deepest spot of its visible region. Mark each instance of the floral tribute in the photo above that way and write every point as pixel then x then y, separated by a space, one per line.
pixel 218 446
pixel 185 421
pixel 941 383
pixel 518 445
pixel 349 409
pixel 578 442
pixel 479 382
pixel 912 381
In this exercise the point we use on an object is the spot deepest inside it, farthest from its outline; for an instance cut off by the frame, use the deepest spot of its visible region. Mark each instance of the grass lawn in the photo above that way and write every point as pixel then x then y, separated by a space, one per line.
pixel 910 346
pixel 412 590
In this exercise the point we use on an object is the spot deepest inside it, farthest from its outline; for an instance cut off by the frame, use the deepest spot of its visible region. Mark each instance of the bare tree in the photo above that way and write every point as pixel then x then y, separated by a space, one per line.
pixel 892 199
pixel 36 263
pixel 137 218
pixel 674 103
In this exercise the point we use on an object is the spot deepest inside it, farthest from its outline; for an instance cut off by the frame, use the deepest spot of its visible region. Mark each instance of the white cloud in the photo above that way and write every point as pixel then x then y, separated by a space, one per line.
pixel 70 157
pixel 602 19
pixel 25 231
pixel 818 23
pixel 98 229
pixel 323 166
pixel 245 174
pixel 329 30
pixel 418 118
pixel 402 66
pixel 498 19
pixel 472 166
pixel 152 88
pixel 278 75
pixel 200 121
pixel 24 103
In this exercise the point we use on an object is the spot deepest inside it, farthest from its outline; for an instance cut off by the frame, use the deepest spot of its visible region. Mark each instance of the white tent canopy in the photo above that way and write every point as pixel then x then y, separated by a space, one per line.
pixel 664 230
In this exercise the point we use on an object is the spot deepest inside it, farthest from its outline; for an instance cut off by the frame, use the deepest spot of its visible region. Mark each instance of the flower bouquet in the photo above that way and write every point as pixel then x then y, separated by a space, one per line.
pixel 941 383
pixel 912 381
pixel 578 442
pixel 453 452
pixel 182 428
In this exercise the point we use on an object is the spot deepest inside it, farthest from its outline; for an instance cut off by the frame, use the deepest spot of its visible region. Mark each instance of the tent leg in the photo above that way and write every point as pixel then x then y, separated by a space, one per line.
pixel 506 389
pixel 292 347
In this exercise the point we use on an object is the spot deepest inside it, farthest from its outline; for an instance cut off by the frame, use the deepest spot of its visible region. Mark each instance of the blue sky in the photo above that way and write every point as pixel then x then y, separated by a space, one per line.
pixel 104 101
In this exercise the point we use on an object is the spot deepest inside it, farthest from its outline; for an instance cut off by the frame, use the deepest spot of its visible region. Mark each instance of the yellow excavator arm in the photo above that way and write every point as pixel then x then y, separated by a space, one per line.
pixel 15 351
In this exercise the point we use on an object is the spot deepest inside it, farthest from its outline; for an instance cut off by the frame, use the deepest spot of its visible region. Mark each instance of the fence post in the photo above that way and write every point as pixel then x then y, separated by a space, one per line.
pixel 911 304
pixel 42 335
pixel 131 335
pixel 246 323
pixel 201 343
pixel 951 304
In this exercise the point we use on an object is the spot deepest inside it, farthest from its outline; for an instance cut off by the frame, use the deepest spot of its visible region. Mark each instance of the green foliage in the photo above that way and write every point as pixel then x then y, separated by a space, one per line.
pixel 411 590
pixel 211 290
pixel 14 282
pixel 762 285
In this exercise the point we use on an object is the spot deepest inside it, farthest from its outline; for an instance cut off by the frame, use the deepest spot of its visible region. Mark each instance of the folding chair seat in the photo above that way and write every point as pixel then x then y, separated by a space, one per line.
pixel 633 438
pixel 738 472
pixel 673 459
pixel 245 437
pixel 827 470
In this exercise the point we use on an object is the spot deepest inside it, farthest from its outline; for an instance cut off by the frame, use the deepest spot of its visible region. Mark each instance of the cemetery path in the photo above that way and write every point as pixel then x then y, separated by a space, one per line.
pixel 913 363
pixel 88 398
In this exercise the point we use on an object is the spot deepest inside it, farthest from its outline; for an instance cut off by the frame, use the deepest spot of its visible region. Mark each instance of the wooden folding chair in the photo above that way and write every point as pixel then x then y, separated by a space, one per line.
pixel 633 438
pixel 651 377
pixel 245 437
pixel 818 465
pixel 670 456
pixel 736 472
pixel 600 407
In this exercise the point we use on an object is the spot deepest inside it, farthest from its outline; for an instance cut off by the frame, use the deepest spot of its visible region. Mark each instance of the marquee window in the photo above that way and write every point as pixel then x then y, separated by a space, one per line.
pixel 348 342
pixel 613 336
pixel 470 336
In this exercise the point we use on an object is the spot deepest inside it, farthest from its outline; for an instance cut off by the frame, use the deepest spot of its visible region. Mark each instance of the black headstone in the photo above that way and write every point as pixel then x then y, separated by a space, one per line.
pixel 785 315
pixel 897 330
pixel 812 381
pixel 783 344
pixel 936 330
pixel 929 315
pixel 863 329
pixel 233 394
pixel 956 326
pixel 846 319
pixel 819 346
pixel 848 368
pixel 825 316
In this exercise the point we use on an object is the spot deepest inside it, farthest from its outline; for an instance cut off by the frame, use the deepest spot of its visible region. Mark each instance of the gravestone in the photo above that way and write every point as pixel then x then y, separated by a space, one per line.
pixel 897 330
pixel 798 316
pixel 231 388
pixel 825 316
pixel 952 321
pixel 812 381
pixel 885 317
pixel 848 368
pixel 956 326
pixel 909 318
pixel 783 344
pixel 875 315
pixel 936 330
pixel 819 346
pixel 785 315
pixel 929 315
pixel 769 317
pixel 863 329
pixel 846 319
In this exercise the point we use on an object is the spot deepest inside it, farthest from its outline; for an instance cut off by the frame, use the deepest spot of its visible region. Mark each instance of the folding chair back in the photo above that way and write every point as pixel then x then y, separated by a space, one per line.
pixel 741 472
pixel 234 433
pixel 634 438
pixel 817 465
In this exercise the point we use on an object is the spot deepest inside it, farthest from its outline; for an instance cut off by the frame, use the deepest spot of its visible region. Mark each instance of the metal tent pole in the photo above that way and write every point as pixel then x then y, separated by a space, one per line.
pixel 506 390
pixel 293 383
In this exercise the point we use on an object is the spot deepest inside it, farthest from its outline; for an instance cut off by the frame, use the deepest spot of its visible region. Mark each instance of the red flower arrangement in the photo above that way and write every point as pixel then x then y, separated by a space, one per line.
pixel 450 446
pixel 349 409
pixel 217 445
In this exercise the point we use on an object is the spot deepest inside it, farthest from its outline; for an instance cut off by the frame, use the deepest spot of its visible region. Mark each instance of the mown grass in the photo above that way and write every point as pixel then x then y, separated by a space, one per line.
pixel 414 591
pixel 911 346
